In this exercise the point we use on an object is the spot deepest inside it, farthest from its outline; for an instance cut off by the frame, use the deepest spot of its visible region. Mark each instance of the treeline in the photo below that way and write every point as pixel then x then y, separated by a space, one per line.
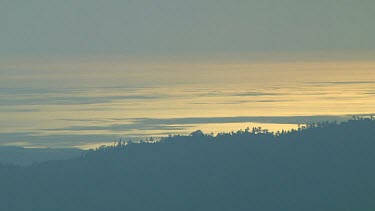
pixel 361 125
pixel 325 166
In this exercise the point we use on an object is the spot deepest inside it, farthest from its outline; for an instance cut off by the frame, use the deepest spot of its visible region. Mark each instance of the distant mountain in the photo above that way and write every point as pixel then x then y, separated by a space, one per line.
pixel 325 166
pixel 28 156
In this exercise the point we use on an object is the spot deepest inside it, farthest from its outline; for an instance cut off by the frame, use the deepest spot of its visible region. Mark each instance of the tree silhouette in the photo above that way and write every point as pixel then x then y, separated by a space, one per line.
pixel 324 166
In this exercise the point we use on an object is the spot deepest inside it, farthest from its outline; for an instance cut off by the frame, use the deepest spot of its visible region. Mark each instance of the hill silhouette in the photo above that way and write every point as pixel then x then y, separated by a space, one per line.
pixel 325 166
pixel 27 156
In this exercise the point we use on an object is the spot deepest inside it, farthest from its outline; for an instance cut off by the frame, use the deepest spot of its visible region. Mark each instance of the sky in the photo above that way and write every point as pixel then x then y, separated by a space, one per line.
pixel 83 73
pixel 167 27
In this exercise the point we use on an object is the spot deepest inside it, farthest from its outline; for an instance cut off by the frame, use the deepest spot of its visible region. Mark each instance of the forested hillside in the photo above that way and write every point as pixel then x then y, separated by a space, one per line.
pixel 325 166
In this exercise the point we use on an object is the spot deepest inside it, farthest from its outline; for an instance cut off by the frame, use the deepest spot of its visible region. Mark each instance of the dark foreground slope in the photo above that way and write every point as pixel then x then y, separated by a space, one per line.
pixel 325 167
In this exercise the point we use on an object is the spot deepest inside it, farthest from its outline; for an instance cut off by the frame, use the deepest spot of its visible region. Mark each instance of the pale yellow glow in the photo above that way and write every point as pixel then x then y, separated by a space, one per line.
pixel 126 90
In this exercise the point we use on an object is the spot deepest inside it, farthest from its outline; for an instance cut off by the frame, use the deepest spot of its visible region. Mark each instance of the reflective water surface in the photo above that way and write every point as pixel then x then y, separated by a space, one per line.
pixel 88 103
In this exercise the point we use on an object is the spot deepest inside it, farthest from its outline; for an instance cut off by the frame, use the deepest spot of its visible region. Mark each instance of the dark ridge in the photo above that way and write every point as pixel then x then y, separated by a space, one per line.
pixel 325 166
pixel 28 156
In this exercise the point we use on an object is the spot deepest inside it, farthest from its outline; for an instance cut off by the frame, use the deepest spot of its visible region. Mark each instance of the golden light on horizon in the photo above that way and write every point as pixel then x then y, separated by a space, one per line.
pixel 46 99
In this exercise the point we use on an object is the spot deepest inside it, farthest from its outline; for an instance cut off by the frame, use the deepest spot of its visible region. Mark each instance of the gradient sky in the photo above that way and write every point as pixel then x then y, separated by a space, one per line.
pixel 77 73
pixel 169 27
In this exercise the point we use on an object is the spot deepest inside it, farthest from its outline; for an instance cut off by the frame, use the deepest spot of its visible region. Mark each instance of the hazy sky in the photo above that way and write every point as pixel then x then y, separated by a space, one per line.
pixel 76 73
pixel 168 27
